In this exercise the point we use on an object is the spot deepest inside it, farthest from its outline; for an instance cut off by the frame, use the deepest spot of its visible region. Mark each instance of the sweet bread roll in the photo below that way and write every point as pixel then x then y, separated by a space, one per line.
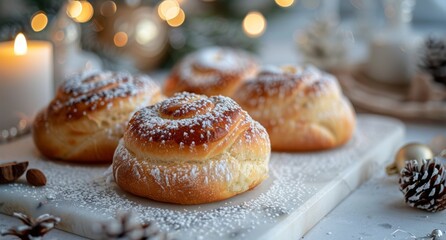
pixel 211 71
pixel 88 115
pixel 191 149
pixel 302 108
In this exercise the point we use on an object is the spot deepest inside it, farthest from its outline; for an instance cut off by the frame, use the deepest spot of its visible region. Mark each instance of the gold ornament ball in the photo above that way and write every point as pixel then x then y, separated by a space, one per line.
pixel 411 151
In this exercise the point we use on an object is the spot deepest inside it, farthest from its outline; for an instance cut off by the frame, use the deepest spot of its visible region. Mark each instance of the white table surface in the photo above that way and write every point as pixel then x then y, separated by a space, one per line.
pixel 377 208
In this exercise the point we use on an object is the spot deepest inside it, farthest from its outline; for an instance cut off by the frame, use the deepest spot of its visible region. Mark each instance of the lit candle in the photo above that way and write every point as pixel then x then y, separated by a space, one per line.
pixel 26 74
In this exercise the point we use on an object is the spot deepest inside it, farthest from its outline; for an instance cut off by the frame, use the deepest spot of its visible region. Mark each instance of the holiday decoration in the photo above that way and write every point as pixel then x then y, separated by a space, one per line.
pixel 324 45
pixel 22 128
pixel 134 37
pixel 437 234
pixel 11 171
pixel 126 226
pixel 33 228
pixel 137 35
pixel 410 151
pixel 423 185
pixel 434 59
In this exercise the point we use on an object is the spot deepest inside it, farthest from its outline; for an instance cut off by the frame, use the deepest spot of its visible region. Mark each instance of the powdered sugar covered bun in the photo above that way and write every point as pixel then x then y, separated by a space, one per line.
pixel 211 71
pixel 86 119
pixel 191 149
pixel 302 108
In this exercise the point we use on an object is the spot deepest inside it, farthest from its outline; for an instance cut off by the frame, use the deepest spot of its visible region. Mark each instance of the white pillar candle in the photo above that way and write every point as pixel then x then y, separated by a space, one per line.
pixel 26 75
pixel 393 58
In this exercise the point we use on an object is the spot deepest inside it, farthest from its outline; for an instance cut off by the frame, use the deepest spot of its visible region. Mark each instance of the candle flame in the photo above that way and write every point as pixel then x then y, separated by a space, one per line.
pixel 20 46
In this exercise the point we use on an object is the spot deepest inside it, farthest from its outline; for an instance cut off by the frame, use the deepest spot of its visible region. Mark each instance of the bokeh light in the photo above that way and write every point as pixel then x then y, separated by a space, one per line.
pixel 108 8
pixel 146 31
pixel 86 13
pixel 254 24
pixel 74 9
pixel 178 20
pixel 120 39
pixel 39 21
pixel 284 3
pixel 80 11
pixel 168 9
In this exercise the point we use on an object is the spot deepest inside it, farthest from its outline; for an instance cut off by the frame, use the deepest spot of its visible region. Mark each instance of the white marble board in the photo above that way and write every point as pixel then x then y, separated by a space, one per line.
pixel 301 189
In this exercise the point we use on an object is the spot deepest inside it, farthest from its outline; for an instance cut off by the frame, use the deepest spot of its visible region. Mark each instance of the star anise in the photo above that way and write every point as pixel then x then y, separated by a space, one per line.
pixel 32 228
pixel 126 226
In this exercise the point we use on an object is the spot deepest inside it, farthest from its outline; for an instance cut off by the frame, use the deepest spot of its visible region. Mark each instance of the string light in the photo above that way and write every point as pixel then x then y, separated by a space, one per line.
pixel 80 11
pixel 74 9
pixel 177 20
pixel 120 39
pixel 284 3
pixel 108 8
pixel 86 13
pixel 39 21
pixel 254 24
pixel 168 9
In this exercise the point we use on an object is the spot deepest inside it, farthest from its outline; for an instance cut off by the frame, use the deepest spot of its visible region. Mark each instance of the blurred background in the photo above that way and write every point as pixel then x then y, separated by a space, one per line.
pixel 143 35
pixel 389 55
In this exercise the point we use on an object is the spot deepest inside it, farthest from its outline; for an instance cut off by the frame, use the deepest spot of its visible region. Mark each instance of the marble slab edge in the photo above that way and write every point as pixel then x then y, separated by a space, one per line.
pixel 291 227
pixel 301 221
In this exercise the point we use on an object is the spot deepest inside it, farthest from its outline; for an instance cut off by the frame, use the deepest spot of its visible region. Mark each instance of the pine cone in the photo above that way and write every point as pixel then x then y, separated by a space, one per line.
pixel 434 59
pixel 423 185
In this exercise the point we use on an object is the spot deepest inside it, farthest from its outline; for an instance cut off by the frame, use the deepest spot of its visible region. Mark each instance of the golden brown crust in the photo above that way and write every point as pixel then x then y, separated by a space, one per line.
pixel 86 119
pixel 191 149
pixel 211 71
pixel 303 109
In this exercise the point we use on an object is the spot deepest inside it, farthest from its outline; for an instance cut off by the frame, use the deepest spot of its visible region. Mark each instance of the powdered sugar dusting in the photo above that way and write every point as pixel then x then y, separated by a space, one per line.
pixel 218 58
pixel 82 189
pixel 207 65
pixel 91 90
pixel 188 121
pixel 280 82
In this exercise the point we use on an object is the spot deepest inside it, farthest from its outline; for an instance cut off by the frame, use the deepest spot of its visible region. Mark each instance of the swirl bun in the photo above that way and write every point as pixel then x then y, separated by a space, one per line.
pixel 211 71
pixel 86 119
pixel 191 149
pixel 302 108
